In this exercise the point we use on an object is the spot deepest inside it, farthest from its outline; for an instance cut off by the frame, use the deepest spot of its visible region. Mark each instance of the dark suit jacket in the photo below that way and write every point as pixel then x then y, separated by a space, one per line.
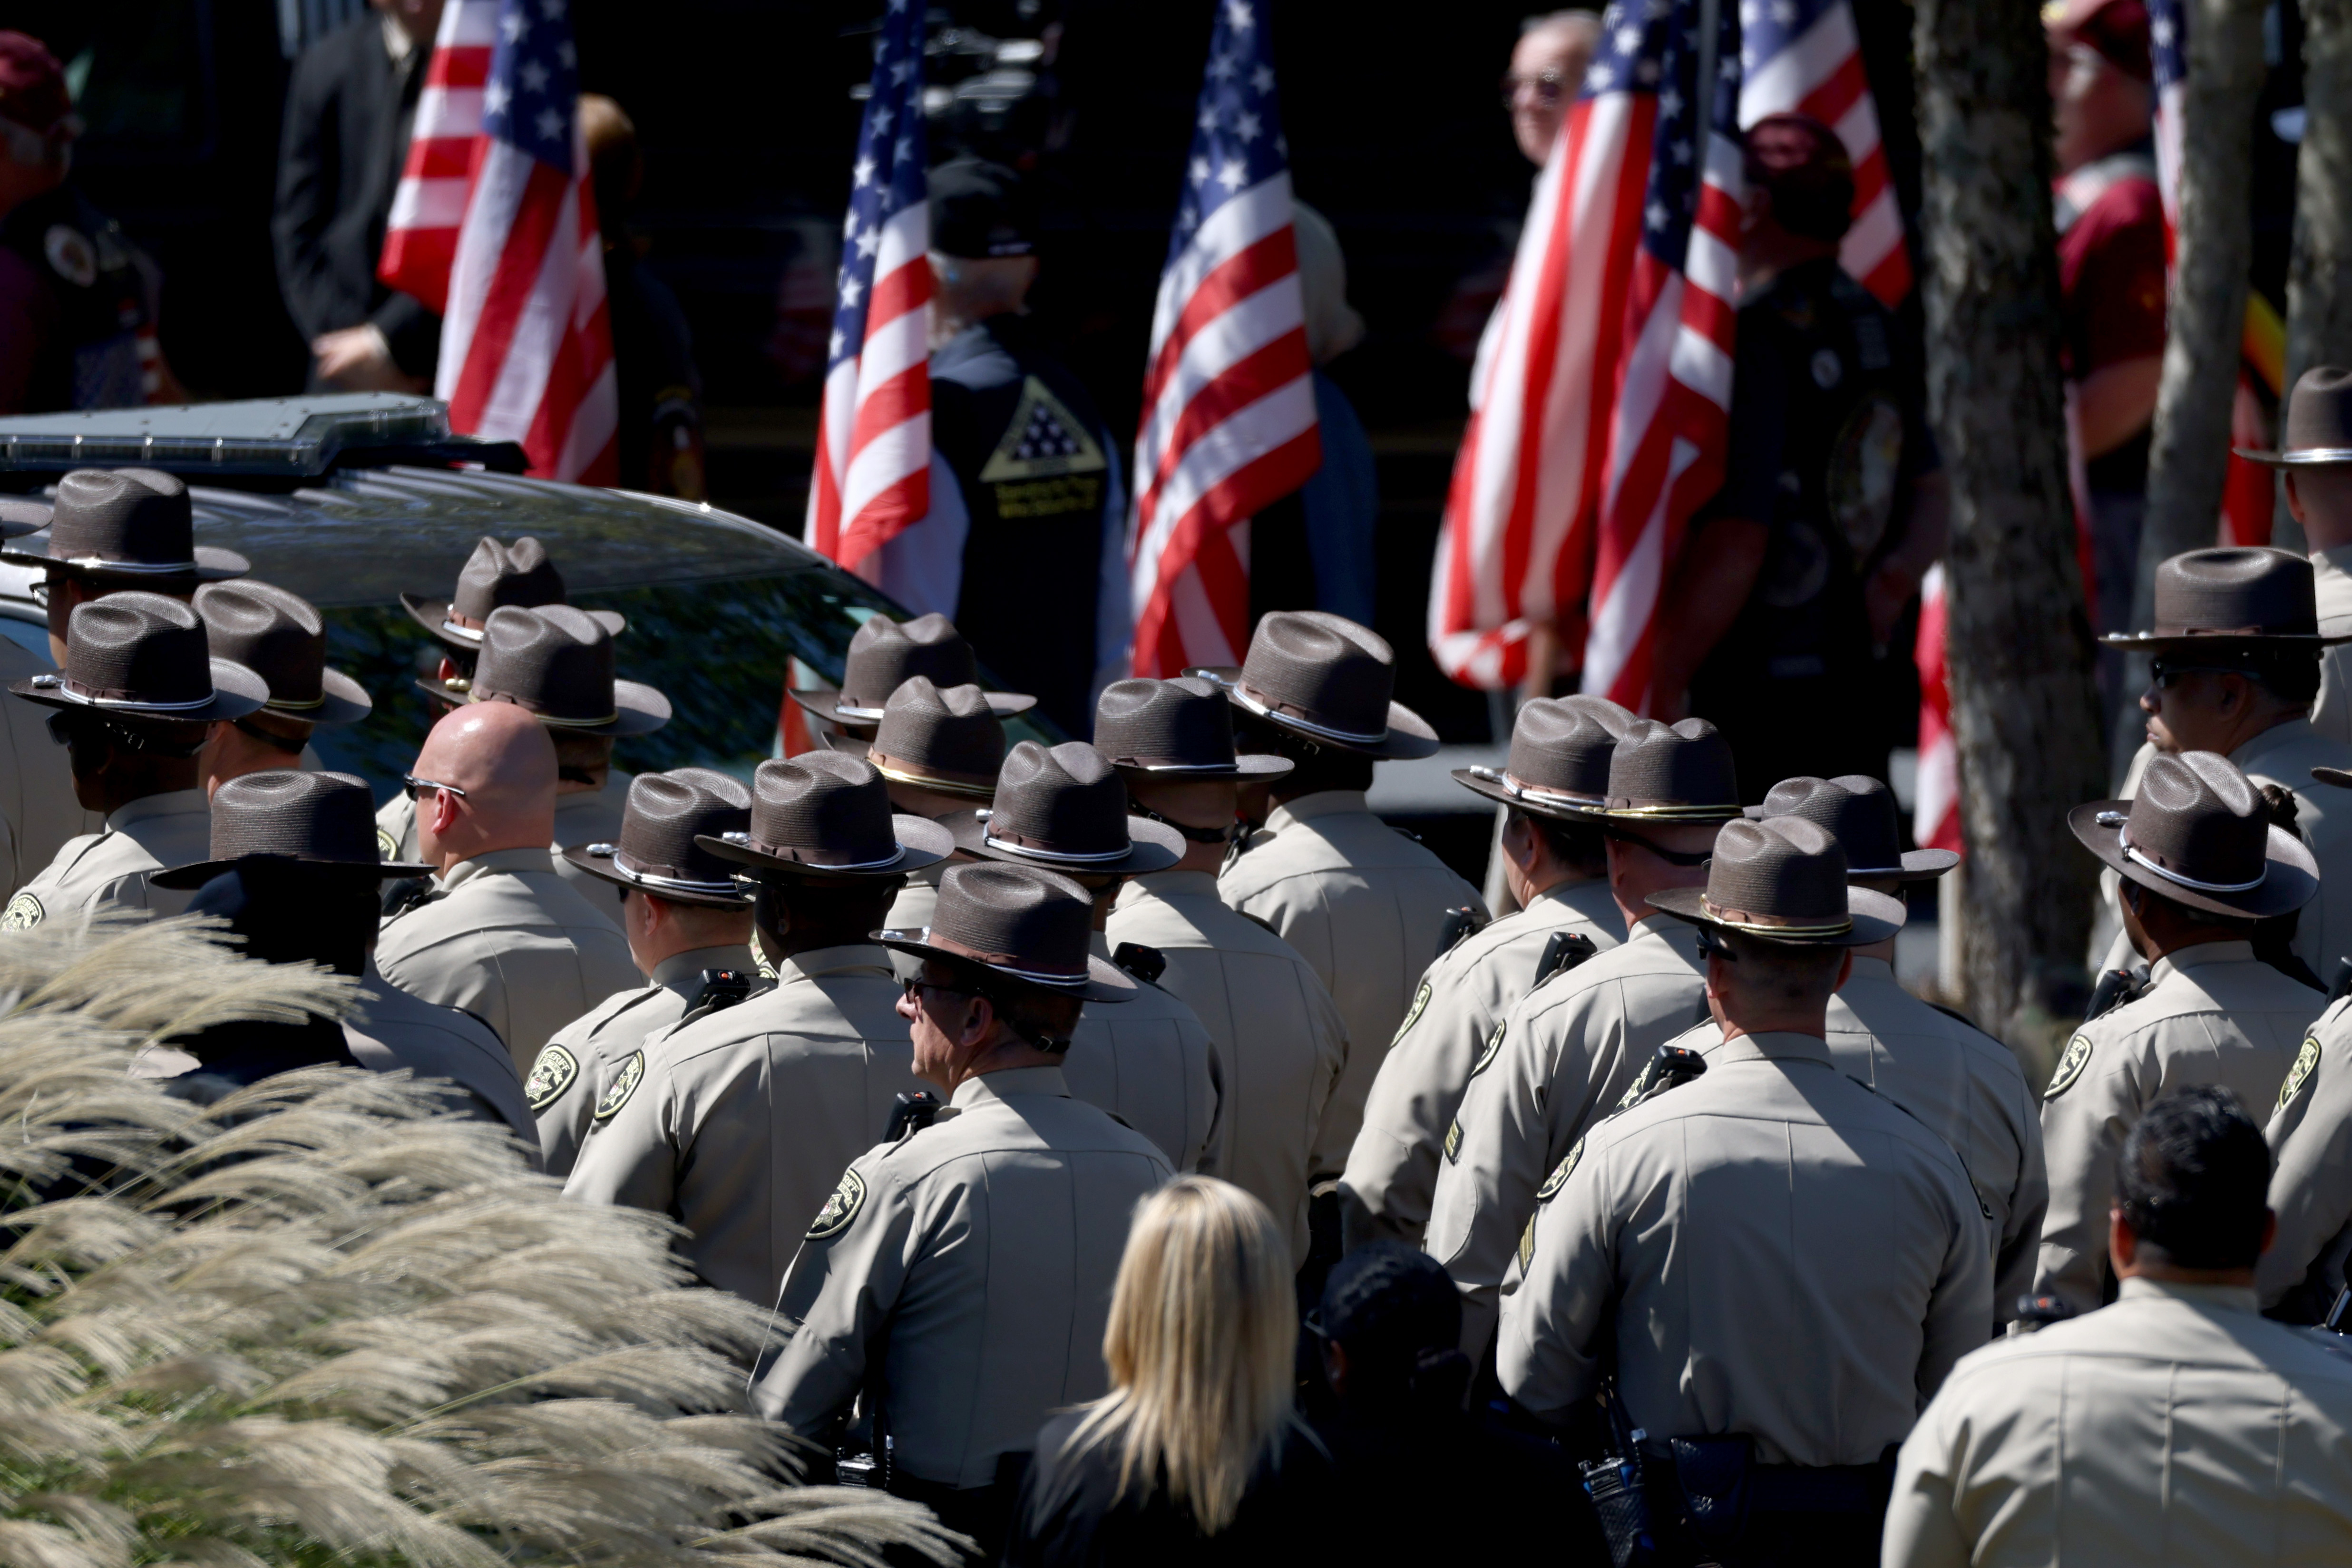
pixel 348 112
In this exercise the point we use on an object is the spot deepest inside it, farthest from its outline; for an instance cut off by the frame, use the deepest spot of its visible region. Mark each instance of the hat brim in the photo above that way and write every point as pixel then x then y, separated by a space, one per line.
pixel 2339 777
pixel 1152 846
pixel 1501 795
pixel 1407 735
pixel 1248 765
pixel 604 868
pixel 2289 875
pixel 433 614
pixel 826 703
pixel 203 872
pixel 862 746
pixel 2154 641
pixel 1875 916
pixel 1915 865
pixel 638 708
pixel 18 519
pixel 2309 457
pixel 236 692
pixel 921 842
pixel 212 565
pixel 1104 982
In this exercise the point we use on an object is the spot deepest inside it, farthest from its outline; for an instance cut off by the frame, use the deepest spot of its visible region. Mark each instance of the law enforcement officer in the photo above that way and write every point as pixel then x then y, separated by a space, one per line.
pixel 1150 1062
pixel 1964 1084
pixel 109 529
pixel 1565 1053
pixel 1026 506
pixel 956 1285
pixel 885 654
pixel 738 1123
pixel 938 750
pixel 688 922
pixel 138 688
pixel 2314 458
pixel 591 793
pixel 2236 649
pixel 498 932
pixel 2175 1426
pixel 1552 852
pixel 280 637
pixel 1280 1045
pixel 1363 903
pixel 293 868
pixel 2201 863
pixel 1768 1266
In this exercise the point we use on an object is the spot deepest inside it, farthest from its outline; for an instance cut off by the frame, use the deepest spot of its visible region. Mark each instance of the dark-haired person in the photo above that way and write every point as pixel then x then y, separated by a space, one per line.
pixel 1556 864
pixel 2200 864
pixel 2173 1427
pixel 1783 605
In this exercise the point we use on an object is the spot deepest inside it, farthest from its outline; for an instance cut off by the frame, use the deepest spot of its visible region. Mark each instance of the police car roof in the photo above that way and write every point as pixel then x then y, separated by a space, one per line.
pixel 261 439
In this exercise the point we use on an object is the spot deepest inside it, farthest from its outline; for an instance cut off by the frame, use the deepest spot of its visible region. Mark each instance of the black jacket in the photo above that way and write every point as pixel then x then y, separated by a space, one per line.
pixel 348 112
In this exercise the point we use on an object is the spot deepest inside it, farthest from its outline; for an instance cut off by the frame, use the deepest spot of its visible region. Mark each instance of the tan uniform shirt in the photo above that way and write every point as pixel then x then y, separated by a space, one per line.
pixel 975 1258
pixel 2311 1179
pixel 911 910
pixel 739 1123
pixel 391 1030
pixel 576 1067
pixel 2213 1014
pixel 1568 1051
pixel 506 939
pixel 2173 1428
pixel 1279 1042
pixel 1362 904
pixel 1771 1248
pixel 36 792
pixel 109 869
pixel 1393 1167
pixel 2331 581
pixel 582 817
pixel 1147 1061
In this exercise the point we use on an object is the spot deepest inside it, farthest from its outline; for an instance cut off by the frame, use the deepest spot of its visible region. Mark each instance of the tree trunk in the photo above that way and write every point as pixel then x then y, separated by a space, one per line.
pixel 2023 705
pixel 2319 274
pixel 2213 247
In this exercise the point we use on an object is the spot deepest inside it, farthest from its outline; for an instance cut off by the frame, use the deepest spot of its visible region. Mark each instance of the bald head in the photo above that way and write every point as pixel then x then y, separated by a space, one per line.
pixel 503 759
pixel 1547 71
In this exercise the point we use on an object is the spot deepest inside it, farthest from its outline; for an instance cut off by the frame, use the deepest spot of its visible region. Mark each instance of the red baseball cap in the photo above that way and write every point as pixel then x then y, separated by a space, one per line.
pixel 2117 29
pixel 32 84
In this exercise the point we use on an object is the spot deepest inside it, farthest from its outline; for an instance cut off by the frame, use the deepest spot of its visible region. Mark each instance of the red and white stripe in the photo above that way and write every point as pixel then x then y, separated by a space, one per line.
pixel 1935 797
pixel 1228 427
pixel 872 478
pixel 420 241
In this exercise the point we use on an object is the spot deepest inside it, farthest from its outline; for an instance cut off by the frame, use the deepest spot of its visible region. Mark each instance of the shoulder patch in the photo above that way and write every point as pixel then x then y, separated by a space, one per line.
pixel 1411 1017
pixel 2070 1067
pixel 23 913
pixel 1493 1048
pixel 624 1083
pixel 387 843
pixel 555 1070
pixel 1558 1177
pixel 848 1196
pixel 2306 1062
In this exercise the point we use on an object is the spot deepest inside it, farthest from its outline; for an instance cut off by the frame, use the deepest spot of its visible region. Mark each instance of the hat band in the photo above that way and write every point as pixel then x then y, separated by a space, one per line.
pixel 1005 966
pixel 557 720
pixel 101 698
pixel 1320 731
pixel 290 706
pixel 801 857
pixel 1521 789
pixel 898 772
pixel 1142 766
pixel 2137 858
pixel 1771 924
pixel 2231 632
pixel 1056 857
pixel 851 710
pixel 463 634
pixel 133 568
pixel 1621 806
pixel 2319 454
pixel 656 879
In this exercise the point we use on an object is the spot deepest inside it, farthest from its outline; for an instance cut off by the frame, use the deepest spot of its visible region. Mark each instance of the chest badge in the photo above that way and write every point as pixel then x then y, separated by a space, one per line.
pixel 848 1197
pixel 70 255
pixel 555 1070
pixel 23 913
pixel 624 1083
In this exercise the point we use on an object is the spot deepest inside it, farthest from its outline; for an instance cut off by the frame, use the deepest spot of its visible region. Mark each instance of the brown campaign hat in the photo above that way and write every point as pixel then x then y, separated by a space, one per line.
pixel 1678 772
pixel 949 740
pixel 282 814
pixel 557 663
pixel 2318 422
pixel 1065 810
pixel 1017 924
pixel 2198 833
pixel 658 852
pixel 494 577
pixel 885 654
pixel 280 637
pixel 143 656
pixel 1323 678
pixel 1862 814
pixel 1561 751
pixel 123 525
pixel 821 814
pixel 1181 728
pixel 2233 594
pixel 1784 880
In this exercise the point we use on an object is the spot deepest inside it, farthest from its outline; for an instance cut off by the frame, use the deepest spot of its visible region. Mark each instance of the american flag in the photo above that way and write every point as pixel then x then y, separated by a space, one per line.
pixel 872 479
pixel 1804 57
pixel 494 227
pixel 1228 424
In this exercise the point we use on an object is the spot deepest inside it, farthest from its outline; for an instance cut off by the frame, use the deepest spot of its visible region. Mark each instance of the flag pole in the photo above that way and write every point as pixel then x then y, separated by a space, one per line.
pixel 1709 20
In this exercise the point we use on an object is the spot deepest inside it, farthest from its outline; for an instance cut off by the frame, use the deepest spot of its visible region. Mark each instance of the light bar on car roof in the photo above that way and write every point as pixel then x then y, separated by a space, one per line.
pixel 291 438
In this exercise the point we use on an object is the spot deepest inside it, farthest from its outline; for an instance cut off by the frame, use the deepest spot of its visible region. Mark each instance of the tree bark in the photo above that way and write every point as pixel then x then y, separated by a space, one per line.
pixel 2023 705
pixel 2319 271
pixel 2212 249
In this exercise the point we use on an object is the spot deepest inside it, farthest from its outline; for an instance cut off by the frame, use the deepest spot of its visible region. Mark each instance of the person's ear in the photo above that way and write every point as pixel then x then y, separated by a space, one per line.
pixel 1845 969
pixel 1335 1368
pixel 2270 1228
pixel 2294 498
pixel 979 1014
pixel 445 812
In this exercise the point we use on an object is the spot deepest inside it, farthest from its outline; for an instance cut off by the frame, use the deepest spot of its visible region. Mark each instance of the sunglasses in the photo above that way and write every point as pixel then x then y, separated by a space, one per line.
pixel 1711 945
pixel 2164 676
pixel 1547 86
pixel 414 787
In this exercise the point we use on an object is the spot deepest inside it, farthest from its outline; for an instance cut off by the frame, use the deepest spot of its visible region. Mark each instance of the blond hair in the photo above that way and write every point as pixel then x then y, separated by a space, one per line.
pixel 1200 1344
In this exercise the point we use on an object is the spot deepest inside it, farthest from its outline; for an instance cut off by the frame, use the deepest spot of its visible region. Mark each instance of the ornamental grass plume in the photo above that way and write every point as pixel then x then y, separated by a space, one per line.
pixel 319 1321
